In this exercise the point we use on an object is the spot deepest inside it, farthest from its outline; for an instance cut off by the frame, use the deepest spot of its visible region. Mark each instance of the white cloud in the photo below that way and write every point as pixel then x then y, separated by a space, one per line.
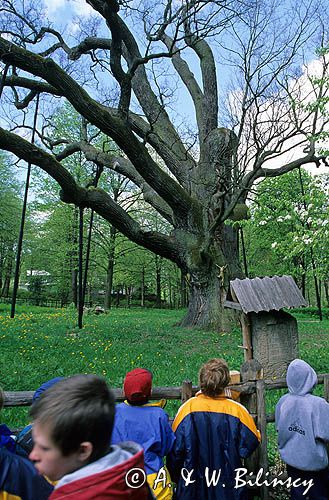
pixel 65 9
pixel 53 6
pixel 292 148
pixel 81 8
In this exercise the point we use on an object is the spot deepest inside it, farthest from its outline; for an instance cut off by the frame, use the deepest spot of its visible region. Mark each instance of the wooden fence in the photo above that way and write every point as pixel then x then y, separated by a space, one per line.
pixel 252 391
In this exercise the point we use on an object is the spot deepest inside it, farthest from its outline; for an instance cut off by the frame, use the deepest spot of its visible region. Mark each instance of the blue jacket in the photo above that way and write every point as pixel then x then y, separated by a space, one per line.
pixel 19 479
pixel 302 420
pixel 213 433
pixel 6 440
pixel 147 425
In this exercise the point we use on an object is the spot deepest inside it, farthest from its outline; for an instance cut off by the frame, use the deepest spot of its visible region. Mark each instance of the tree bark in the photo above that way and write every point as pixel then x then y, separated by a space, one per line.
pixel 8 273
pixel 183 290
pixel 143 286
pixel 110 269
pixel 326 291
pixel 74 258
pixel 158 281
pixel 208 282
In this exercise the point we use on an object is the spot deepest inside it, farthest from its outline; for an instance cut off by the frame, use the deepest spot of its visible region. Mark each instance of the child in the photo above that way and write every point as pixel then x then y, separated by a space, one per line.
pixel 302 422
pixel 213 433
pixel 19 478
pixel 72 427
pixel 148 425
pixel 24 442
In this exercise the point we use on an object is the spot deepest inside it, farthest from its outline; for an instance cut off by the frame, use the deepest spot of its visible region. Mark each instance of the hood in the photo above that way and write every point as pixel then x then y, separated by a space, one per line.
pixel 44 387
pixel 118 454
pixel 301 378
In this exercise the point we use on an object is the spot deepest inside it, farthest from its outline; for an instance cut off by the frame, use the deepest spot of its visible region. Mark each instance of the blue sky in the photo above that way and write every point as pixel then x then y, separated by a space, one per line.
pixel 64 13
pixel 63 10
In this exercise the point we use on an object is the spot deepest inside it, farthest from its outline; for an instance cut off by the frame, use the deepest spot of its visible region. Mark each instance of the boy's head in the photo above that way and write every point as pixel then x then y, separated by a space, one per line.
pixel 214 376
pixel 137 386
pixel 72 425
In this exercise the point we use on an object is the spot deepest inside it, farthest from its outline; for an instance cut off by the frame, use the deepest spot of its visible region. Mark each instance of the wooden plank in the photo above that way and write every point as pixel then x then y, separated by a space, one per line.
pixel 187 392
pixel 326 387
pixel 24 398
pixel 232 305
pixel 246 336
pixel 281 383
pixel 251 371
pixel 235 377
pixel 261 424
pixel 19 398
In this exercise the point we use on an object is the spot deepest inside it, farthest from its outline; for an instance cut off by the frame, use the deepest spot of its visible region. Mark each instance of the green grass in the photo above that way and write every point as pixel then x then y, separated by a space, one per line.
pixel 39 344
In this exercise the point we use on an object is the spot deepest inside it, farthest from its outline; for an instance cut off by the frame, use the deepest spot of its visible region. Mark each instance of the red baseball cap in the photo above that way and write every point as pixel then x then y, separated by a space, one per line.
pixel 138 384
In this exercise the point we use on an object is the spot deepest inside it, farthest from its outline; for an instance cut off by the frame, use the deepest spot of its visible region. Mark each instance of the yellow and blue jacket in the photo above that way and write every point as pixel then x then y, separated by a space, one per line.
pixel 212 436
pixel 19 479
pixel 147 425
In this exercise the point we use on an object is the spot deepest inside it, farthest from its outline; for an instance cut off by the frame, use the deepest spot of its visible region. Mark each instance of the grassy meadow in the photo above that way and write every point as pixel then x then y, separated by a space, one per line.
pixel 39 344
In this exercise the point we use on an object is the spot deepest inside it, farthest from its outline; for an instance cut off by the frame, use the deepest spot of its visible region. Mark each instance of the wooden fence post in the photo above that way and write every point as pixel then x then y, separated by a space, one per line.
pixel 261 424
pixel 326 387
pixel 251 371
pixel 186 390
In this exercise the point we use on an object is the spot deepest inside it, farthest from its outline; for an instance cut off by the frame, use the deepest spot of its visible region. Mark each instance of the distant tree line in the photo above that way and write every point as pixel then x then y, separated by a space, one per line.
pixel 286 233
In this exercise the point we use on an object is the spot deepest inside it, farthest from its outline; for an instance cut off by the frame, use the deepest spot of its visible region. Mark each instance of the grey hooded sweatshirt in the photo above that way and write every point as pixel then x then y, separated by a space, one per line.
pixel 302 420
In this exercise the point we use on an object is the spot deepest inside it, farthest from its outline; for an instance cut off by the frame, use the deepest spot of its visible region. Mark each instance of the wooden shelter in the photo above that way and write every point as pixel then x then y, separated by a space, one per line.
pixel 270 335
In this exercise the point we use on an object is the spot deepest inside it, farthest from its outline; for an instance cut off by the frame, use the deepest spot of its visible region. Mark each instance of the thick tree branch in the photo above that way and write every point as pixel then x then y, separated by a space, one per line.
pixel 122 77
pixel 162 145
pixel 28 83
pixel 93 198
pixel 186 76
pixel 99 115
pixel 88 44
pixel 122 166
pixel 241 191
pixel 154 111
pixel 32 154
pixel 209 118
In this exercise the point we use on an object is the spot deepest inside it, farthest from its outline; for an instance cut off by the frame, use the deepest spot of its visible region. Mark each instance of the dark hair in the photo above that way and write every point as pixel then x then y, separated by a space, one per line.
pixel 214 376
pixel 79 408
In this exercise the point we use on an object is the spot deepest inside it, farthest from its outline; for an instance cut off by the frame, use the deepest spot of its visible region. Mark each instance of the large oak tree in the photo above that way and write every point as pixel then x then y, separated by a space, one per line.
pixel 121 77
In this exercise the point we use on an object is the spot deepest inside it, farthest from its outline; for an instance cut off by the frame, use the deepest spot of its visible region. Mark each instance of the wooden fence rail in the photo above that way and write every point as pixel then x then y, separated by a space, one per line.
pixel 252 394
pixel 182 393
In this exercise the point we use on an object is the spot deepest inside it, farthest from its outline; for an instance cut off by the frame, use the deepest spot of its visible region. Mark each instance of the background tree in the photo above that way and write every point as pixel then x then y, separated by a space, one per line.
pixel 10 208
pixel 288 229
pixel 196 178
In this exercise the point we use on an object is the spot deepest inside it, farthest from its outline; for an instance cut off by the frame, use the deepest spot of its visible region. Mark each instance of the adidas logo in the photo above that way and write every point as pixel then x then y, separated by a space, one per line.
pixel 297 427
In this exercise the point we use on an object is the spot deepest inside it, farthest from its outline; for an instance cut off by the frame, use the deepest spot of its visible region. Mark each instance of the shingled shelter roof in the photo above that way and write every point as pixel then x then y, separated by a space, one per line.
pixel 266 294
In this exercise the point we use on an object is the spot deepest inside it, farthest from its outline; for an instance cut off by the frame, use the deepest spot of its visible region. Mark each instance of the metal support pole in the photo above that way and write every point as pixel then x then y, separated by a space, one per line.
pixel 21 231
pixel 80 301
